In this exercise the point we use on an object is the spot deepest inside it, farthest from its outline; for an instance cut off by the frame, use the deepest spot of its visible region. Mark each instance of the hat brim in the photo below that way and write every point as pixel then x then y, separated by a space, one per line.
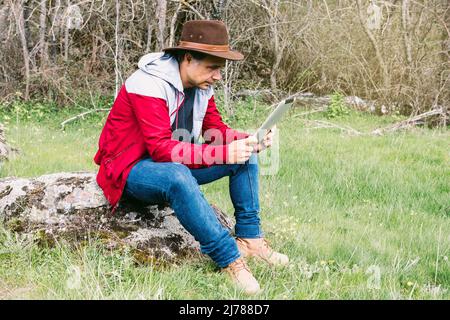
pixel 229 55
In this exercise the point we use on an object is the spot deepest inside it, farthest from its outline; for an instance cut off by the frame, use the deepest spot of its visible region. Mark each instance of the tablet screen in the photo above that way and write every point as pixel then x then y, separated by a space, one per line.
pixel 273 118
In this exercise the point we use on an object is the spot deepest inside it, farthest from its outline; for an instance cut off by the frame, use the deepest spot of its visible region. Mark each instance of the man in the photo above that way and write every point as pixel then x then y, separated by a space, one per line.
pixel 150 148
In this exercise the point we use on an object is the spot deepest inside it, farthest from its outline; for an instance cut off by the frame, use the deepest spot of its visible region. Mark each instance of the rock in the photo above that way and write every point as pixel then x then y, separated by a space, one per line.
pixel 71 206
pixel 5 149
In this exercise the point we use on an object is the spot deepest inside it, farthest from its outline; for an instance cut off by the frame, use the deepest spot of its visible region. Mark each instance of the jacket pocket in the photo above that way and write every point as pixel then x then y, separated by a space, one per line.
pixel 112 164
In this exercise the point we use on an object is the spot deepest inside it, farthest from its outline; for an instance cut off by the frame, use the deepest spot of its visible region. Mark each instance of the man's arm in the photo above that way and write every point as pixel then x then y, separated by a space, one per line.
pixel 213 120
pixel 153 117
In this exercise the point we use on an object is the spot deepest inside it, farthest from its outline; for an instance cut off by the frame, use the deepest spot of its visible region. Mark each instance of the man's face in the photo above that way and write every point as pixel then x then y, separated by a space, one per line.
pixel 203 73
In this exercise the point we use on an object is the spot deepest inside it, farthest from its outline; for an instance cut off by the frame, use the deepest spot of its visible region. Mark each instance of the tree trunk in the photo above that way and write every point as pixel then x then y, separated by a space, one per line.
pixel 117 49
pixel 173 25
pixel 54 29
pixel 42 34
pixel 4 23
pixel 26 15
pixel 20 22
pixel 276 45
pixel 161 12
pixel 373 41
pixel 66 36
pixel 445 70
pixel 406 25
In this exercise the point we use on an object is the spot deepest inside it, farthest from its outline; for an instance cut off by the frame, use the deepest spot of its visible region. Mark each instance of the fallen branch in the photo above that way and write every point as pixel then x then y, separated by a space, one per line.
pixel 310 112
pixel 413 121
pixel 325 124
pixel 310 100
pixel 81 115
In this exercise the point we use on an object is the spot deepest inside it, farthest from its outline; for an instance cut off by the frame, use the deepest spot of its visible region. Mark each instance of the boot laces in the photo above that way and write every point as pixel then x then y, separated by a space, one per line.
pixel 265 245
pixel 239 265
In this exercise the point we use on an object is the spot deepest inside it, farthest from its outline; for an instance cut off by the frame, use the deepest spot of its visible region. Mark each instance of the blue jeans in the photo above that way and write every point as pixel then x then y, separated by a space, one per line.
pixel 159 182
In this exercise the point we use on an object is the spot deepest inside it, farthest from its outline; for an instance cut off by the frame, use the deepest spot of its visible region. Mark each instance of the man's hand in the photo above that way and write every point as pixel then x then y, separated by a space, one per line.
pixel 267 141
pixel 240 151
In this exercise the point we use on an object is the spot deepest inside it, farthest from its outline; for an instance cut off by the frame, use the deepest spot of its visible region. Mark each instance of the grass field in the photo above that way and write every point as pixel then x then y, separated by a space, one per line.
pixel 361 217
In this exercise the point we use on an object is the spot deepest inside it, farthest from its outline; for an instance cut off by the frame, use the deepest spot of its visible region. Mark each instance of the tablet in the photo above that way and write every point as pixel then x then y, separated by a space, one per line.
pixel 273 118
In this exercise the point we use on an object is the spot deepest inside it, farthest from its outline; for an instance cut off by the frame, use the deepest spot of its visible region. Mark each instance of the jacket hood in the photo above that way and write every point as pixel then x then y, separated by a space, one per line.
pixel 163 66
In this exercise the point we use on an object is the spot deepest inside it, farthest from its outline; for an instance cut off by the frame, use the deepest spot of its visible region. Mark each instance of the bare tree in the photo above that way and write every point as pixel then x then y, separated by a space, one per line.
pixel 18 9
pixel 288 45
pixel 117 48
pixel 406 25
pixel 42 33
pixel 150 25
pixel 445 69
pixel 4 11
pixel 54 29
pixel 66 32
pixel 173 23
pixel 272 10
pixel 161 12
pixel 376 47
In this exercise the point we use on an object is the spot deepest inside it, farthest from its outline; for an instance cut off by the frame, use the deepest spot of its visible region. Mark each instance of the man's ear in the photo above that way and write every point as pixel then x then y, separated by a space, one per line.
pixel 188 57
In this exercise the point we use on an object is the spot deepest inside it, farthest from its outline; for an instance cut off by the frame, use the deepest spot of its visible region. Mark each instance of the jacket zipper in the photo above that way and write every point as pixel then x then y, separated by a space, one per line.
pixel 114 157
pixel 178 106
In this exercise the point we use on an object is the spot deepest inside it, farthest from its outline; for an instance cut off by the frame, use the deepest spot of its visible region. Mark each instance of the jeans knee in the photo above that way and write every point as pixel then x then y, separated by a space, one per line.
pixel 181 179
pixel 251 165
pixel 253 160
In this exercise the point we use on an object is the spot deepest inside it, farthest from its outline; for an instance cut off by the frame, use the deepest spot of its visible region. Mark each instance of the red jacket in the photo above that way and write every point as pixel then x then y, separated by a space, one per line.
pixel 138 125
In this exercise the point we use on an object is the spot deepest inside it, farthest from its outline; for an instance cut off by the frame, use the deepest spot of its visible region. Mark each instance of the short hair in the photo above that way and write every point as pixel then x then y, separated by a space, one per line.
pixel 179 54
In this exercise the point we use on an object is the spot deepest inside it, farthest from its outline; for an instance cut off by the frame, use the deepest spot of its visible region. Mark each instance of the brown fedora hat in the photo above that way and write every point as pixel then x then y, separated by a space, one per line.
pixel 207 36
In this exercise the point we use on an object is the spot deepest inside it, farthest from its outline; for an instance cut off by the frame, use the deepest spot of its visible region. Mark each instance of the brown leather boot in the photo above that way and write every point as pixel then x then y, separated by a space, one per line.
pixel 259 248
pixel 240 274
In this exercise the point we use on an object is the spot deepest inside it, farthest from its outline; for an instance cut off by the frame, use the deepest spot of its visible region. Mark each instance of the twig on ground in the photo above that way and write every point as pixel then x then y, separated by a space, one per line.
pixel 408 123
pixel 81 115
pixel 325 124
pixel 310 112
pixel 346 128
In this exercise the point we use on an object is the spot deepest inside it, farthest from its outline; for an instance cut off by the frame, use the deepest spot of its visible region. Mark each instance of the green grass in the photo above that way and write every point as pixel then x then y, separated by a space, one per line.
pixel 348 210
